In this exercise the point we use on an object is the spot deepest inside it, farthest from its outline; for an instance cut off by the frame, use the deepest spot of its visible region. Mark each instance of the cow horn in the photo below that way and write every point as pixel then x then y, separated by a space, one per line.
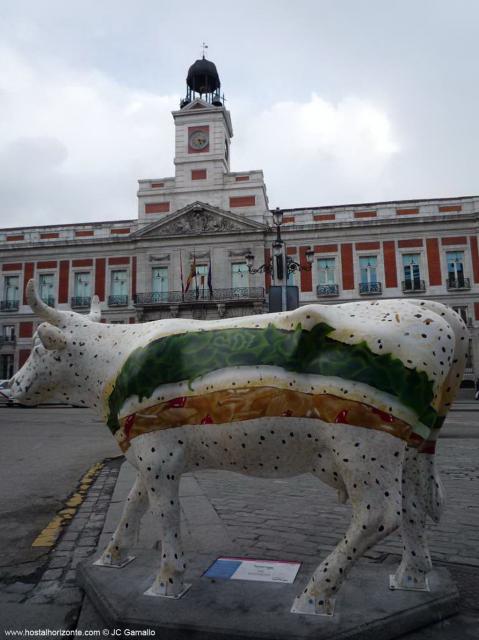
pixel 95 311
pixel 39 307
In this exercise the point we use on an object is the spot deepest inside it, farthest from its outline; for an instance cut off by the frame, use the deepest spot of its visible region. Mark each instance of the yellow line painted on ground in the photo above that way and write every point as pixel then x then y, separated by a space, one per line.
pixel 51 533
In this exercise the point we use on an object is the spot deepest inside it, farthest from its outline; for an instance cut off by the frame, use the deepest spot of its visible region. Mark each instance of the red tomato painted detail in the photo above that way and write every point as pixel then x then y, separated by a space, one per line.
pixel 128 424
pixel 428 447
pixel 385 417
pixel 288 412
pixel 177 403
pixel 207 419
pixel 342 417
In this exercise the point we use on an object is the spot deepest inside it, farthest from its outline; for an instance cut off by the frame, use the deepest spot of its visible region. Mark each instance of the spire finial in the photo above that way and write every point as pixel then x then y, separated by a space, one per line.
pixel 205 46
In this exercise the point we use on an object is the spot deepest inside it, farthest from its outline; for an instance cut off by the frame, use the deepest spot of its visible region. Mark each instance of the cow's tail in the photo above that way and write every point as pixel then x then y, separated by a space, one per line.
pixel 420 463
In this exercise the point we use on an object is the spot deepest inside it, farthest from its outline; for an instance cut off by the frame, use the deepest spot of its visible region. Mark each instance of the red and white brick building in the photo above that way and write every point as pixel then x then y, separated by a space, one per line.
pixel 211 216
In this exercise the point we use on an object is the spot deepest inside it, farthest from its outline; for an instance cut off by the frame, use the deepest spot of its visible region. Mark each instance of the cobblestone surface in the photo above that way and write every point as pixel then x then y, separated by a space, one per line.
pixel 57 582
pixel 301 516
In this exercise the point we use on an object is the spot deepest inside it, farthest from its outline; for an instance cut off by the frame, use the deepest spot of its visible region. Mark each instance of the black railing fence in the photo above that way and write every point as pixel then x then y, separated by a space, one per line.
pixel 327 290
pixel 370 288
pixel 80 301
pixel 198 295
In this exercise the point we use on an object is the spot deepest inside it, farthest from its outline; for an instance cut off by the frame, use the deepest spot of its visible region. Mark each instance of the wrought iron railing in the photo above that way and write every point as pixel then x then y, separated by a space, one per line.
pixel 370 288
pixel 410 286
pixel 9 305
pixel 7 340
pixel 118 301
pixel 199 295
pixel 49 300
pixel 327 290
pixel 458 283
pixel 80 301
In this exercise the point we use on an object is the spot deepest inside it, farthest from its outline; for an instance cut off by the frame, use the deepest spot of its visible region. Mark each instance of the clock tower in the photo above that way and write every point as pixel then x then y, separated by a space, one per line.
pixel 203 134
pixel 203 129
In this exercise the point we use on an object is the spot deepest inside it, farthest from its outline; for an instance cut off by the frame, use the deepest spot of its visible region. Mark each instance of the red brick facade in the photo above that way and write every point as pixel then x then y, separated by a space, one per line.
pixel 390 271
pixel 100 271
pixel 25 330
pixel 63 281
pixel 347 263
pixel 242 201
pixel 306 276
pixel 433 262
pixel 157 207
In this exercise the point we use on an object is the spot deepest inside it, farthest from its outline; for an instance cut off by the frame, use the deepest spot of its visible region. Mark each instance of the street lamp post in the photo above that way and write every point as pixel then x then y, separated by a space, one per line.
pixel 281 265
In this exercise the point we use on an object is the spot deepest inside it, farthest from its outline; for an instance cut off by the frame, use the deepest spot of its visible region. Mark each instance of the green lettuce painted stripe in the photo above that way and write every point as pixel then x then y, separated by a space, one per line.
pixel 186 356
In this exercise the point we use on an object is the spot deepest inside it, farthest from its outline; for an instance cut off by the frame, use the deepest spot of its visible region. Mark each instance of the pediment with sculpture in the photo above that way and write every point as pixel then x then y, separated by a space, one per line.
pixel 200 218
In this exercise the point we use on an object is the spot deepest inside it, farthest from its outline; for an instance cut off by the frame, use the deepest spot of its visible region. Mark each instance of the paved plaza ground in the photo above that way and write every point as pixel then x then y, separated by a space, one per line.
pixel 44 452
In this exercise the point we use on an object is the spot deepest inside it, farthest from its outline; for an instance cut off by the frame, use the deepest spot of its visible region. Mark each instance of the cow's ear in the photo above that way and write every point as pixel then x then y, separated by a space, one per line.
pixel 51 337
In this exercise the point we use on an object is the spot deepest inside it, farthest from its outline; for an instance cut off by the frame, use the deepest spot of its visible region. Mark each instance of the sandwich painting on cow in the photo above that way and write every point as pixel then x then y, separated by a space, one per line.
pixel 353 393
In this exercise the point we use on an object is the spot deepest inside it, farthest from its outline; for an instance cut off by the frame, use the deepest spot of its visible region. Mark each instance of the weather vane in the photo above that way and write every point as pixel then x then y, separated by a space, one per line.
pixel 205 46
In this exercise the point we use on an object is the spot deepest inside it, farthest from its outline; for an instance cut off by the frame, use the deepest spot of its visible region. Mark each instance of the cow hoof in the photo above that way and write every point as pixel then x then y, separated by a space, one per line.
pixel 107 561
pixel 161 589
pixel 408 582
pixel 309 605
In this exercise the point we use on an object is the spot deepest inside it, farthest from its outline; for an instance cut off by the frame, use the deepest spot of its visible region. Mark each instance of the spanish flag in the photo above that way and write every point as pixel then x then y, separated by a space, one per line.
pixel 191 275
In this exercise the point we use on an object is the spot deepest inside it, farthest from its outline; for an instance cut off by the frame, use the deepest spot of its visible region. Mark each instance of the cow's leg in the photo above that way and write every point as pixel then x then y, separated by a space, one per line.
pixel 163 492
pixel 126 533
pixel 422 495
pixel 371 472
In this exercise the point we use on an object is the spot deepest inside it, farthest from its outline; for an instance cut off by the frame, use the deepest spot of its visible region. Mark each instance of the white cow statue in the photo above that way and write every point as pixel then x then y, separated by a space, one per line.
pixel 353 393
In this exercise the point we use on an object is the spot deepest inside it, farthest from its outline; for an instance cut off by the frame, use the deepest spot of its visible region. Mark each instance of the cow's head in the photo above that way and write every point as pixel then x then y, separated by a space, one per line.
pixel 49 373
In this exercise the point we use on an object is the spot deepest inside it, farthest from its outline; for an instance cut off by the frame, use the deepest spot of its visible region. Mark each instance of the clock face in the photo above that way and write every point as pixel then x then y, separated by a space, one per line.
pixel 199 140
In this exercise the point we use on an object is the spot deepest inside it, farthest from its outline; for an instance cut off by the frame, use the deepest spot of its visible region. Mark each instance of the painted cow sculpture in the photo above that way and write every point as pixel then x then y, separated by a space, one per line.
pixel 353 393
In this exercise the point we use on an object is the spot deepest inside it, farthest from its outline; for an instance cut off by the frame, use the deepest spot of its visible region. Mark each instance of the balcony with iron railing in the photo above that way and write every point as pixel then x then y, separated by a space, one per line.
pixel 413 286
pixel 118 301
pixel 198 296
pixel 80 302
pixel 8 340
pixel 49 300
pixel 9 305
pixel 458 284
pixel 327 290
pixel 370 288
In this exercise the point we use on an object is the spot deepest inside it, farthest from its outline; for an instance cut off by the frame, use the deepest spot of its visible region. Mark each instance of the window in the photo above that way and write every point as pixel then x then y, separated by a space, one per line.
pixel 8 332
pixel 45 285
pixel 462 311
pixel 119 283
pixel 412 273
pixel 82 284
pixel 11 288
pixel 239 275
pixel 118 288
pixel 202 279
pixel 6 366
pixel 159 284
pixel 368 268
pixel 10 300
pixel 455 269
pixel 327 271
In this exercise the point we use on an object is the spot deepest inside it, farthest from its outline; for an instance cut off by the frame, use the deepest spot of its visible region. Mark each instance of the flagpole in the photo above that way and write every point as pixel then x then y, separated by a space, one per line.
pixel 181 274
pixel 197 291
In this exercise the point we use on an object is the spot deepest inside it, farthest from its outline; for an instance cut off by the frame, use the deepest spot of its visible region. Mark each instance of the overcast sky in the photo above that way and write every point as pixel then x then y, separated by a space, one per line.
pixel 336 100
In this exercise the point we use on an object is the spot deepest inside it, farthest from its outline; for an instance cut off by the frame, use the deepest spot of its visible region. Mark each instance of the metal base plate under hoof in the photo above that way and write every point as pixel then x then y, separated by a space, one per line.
pixel 310 608
pixel 127 560
pixel 150 592
pixel 400 586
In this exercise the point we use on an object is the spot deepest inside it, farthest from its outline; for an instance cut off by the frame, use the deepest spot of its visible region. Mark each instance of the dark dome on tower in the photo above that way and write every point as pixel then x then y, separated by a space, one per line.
pixel 203 81
pixel 203 77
